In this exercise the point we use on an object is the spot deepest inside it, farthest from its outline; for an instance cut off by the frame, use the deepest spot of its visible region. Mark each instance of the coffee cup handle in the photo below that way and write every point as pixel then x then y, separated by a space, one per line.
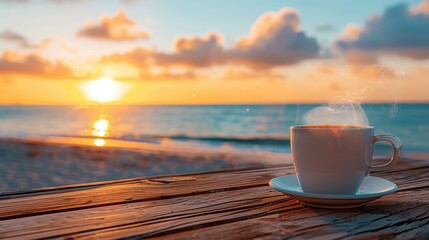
pixel 396 144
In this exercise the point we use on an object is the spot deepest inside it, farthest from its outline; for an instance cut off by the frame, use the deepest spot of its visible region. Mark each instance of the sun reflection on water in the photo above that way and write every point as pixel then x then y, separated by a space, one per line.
pixel 99 142
pixel 100 129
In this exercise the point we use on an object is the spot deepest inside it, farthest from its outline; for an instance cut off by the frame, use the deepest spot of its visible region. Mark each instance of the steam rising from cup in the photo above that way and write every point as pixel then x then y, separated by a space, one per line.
pixel 347 110
pixel 340 113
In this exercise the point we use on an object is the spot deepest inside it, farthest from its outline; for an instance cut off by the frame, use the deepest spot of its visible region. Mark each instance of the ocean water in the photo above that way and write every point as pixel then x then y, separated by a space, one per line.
pixel 239 127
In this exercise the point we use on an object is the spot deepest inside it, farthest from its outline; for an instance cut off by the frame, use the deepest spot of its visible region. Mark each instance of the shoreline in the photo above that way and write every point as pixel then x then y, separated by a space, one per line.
pixel 39 162
pixel 143 146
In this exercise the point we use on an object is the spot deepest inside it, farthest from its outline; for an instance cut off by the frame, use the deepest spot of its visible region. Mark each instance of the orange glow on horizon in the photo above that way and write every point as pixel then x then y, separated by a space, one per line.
pixel 299 89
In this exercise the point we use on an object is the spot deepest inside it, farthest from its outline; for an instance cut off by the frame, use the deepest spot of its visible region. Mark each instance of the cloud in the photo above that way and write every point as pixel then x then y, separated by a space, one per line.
pixel 11 36
pixel 422 8
pixel 22 41
pixel 150 67
pixel 275 39
pixel 169 75
pixel 188 52
pixel 141 58
pixel 117 28
pixel 400 31
pixel 194 52
pixel 327 69
pixel 164 75
pixel 12 63
pixel 236 73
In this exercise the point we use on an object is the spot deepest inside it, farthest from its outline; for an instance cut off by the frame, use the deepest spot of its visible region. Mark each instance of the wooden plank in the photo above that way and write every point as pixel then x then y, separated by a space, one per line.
pixel 153 218
pixel 413 178
pixel 405 163
pixel 391 217
pixel 160 211
pixel 83 186
pixel 142 190
pixel 385 216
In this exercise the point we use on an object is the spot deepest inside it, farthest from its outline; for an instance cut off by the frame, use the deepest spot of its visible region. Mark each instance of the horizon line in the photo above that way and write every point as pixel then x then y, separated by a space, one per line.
pixel 208 104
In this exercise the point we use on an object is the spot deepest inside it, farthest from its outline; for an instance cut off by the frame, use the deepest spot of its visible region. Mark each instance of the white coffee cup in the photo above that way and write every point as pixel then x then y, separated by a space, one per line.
pixel 334 159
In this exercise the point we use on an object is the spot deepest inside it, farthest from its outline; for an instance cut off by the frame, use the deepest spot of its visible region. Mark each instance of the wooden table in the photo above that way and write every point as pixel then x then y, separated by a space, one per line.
pixel 231 204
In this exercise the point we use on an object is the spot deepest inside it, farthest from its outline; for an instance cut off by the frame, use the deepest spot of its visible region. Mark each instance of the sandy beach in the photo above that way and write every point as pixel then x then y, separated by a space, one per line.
pixel 45 162
pixel 53 161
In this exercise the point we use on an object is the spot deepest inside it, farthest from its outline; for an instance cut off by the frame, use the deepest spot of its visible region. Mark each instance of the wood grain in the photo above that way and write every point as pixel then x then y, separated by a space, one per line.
pixel 145 213
pixel 138 190
pixel 82 186
pixel 388 218
pixel 226 205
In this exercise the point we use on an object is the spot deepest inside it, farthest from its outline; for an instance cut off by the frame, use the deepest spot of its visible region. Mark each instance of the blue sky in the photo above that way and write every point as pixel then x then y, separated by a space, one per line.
pixel 167 19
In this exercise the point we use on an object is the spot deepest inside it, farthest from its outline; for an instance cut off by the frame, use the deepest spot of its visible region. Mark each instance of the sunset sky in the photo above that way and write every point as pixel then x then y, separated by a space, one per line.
pixel 212 52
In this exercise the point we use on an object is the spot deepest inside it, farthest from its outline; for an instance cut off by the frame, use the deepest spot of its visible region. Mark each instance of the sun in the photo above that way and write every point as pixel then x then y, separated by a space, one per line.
pixel 104 90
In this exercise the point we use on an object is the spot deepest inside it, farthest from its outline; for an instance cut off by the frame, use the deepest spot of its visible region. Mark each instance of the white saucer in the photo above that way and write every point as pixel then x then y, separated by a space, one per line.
pixel 370 189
